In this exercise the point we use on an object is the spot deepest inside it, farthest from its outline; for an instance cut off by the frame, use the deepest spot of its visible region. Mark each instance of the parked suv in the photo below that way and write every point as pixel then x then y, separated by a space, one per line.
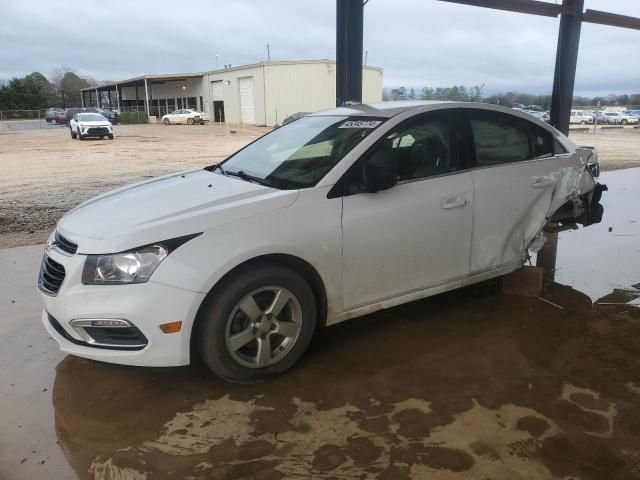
pixel 579 116
pixel 622 118
pixel 86 125
pixel 333 216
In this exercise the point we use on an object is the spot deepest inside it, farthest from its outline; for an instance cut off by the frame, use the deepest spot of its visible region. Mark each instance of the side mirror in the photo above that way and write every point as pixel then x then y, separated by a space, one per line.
pixel 380 172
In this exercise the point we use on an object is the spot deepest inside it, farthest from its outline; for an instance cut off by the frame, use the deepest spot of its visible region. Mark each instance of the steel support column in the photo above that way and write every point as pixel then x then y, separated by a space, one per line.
pixel 349 40
pixel 566 63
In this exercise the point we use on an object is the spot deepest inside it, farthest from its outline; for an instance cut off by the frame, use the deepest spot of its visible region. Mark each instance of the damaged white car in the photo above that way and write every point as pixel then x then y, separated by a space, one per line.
pixel 332 216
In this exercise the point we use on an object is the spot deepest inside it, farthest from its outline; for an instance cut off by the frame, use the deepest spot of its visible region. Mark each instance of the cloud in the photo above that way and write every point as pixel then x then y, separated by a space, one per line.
pixel 417 42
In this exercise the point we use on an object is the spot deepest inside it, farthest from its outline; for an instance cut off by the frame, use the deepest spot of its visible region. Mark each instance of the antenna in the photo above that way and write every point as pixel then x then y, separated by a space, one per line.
pixel 366 54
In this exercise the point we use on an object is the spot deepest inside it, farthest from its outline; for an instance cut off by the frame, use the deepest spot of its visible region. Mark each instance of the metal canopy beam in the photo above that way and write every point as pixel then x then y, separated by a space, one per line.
pixel 532 7
pixel 611 19
pixel 566 64
pixel 349 39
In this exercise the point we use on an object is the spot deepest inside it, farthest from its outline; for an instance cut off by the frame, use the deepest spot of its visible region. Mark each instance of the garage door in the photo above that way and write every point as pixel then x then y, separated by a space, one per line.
pixel 247 101
pixel 216 91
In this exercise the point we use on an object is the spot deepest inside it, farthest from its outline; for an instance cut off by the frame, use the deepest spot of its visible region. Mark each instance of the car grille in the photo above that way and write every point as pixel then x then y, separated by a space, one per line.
pixel 98 131
pixel 51 276
pixel 65 245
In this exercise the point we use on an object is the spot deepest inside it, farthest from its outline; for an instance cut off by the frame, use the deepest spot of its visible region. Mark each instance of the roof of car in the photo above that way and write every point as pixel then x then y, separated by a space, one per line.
pixel 393 108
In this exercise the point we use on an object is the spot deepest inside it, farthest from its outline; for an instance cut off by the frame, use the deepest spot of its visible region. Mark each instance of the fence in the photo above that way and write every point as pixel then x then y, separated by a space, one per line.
pixel 22 114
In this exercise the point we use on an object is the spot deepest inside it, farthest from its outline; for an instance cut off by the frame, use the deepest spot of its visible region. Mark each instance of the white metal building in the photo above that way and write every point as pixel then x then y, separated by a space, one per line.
pixel 260 94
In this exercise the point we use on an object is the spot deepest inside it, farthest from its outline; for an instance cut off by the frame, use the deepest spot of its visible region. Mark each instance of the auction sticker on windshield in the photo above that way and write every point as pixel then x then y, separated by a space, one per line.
pixel 361 124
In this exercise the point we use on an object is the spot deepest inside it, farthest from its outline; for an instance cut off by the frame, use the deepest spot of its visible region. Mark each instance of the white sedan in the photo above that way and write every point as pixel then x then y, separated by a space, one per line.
pixel 85 125
pixel 333 216
pixel 185 116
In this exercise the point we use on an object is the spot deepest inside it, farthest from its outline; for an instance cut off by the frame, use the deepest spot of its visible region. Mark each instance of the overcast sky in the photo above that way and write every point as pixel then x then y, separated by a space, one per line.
pixel 417 42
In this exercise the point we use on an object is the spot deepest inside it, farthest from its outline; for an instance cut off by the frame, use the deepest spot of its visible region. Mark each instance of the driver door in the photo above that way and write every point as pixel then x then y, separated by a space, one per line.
pixel 416 234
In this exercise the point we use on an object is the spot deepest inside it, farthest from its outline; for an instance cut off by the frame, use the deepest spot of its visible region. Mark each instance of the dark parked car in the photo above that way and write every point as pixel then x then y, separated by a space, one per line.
pixel 55 116
pixel 109 114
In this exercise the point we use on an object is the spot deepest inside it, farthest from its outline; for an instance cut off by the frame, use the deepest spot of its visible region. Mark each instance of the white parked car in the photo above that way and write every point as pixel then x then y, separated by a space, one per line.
pixel 185 116
pixel 622 118
pixel 333 216
pixel 86 125
pixel 582 117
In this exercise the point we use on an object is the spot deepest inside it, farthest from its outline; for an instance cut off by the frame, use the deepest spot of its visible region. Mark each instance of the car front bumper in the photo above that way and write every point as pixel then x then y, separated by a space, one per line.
pixel 145 306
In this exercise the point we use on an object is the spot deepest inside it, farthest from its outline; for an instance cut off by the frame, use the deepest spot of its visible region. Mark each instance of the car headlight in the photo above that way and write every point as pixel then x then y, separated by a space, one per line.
pixel 134 266
pixel 127 267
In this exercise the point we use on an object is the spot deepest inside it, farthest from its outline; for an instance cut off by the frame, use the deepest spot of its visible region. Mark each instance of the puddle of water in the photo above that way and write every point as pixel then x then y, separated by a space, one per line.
pixel 597 261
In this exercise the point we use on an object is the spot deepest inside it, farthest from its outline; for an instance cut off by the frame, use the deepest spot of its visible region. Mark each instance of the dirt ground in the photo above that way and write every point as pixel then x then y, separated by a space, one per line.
pixel 45 173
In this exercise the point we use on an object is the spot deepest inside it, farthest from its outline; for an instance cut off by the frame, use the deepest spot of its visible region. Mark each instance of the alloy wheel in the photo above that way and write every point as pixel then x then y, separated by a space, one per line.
pixel 263 327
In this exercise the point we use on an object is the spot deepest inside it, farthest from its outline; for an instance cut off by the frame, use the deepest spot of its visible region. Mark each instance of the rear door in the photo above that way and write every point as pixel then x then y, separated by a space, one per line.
pixel 416 234
pixel 518 166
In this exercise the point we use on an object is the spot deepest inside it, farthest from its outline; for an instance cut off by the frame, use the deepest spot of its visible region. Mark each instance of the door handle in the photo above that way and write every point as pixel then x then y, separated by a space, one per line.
pixel 542 182
pixel 454 203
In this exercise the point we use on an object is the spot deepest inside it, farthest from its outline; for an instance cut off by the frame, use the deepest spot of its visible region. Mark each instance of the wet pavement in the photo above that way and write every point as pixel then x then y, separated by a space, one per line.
pixel 470 384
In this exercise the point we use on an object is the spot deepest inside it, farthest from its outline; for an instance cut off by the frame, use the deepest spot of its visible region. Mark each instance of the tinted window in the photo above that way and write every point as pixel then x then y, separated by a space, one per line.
pixel 499 138
pixel 502 138
pixel 422 147
pixel 541 141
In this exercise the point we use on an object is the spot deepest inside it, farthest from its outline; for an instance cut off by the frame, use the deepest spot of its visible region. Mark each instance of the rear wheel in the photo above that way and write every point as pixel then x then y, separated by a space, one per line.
pixel 624 122
pixel 257 324
pixel 583 122
pixel 54 121
pixel 189 121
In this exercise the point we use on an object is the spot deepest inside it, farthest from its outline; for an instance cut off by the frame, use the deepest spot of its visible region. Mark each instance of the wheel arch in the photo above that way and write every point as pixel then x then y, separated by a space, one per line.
pixel 292 262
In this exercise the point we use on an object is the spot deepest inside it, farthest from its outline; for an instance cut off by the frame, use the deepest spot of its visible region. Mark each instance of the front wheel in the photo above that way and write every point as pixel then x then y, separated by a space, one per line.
pixel 80 135
pixel 166 121
pixel 583 122
pixel 53 121
pixel 111 136
pixel 257 324
pixel 624 122
pixel 73 134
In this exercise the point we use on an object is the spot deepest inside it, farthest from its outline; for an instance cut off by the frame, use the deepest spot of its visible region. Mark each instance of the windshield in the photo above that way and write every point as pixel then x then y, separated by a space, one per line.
pixel 300 153
pixel 91 117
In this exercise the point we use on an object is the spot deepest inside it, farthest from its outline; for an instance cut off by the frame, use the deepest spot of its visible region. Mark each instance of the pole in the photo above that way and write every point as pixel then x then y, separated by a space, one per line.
pixel 82 98
pixel 97 101
pixel 566 63
pixel 118 98
pixel 146 95
pixel 268 53
pixel 349 40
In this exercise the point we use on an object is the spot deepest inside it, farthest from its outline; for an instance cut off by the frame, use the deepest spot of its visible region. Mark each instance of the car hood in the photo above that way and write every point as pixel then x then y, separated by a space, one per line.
pixel 166 207
pixel 102 123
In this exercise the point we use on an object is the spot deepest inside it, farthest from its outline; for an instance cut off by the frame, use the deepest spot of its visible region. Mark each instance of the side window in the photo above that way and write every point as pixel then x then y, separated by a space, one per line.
pixel 422 147
pixel 499 138
pixel 541 141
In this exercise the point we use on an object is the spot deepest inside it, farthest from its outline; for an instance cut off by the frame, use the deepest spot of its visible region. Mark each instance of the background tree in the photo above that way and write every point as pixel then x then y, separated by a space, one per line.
pixel 68 85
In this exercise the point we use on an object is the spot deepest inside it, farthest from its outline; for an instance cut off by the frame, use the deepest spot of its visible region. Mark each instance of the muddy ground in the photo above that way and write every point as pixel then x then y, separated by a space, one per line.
pixel 45 173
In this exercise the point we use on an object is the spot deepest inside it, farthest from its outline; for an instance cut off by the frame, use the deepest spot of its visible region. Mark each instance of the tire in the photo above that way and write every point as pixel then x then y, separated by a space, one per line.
pixel 80 136
pixel 166 121
pixel 110 136
pixel 221 319
pixel 189 121
pixel 583 122
pixel 624 122
pixel 53 121
pixel 73 134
